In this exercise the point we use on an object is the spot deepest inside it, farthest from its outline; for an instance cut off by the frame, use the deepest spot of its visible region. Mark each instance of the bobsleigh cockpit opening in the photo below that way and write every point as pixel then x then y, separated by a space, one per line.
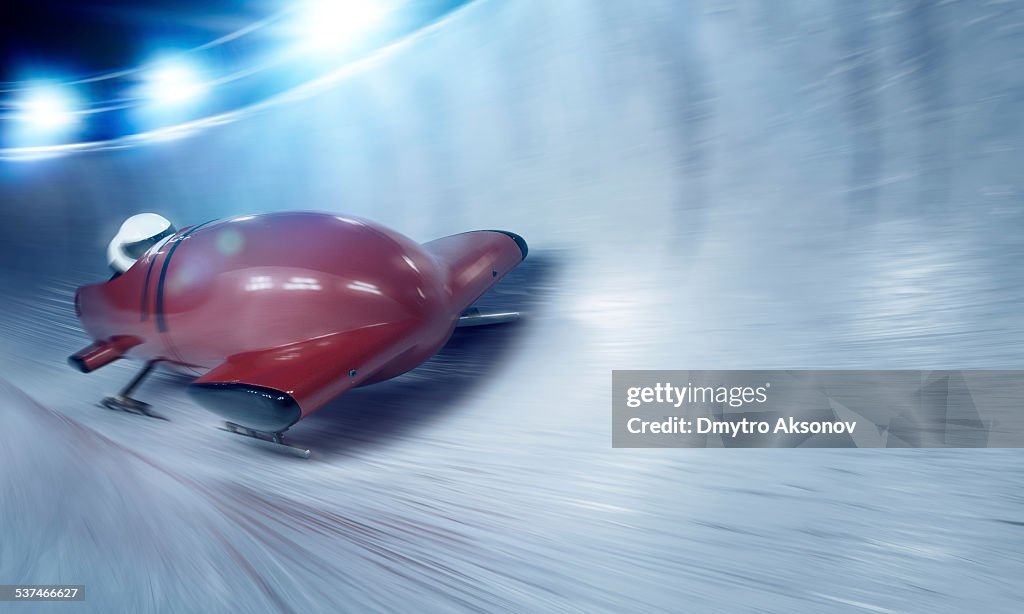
pixel 137 235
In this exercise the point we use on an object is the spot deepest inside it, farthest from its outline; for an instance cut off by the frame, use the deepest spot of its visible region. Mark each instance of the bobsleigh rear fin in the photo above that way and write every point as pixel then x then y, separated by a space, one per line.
pixel 476 260
pixel 272 389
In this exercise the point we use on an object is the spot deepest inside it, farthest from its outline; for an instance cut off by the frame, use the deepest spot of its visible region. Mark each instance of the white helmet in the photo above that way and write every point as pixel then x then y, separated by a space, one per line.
pixel 137 234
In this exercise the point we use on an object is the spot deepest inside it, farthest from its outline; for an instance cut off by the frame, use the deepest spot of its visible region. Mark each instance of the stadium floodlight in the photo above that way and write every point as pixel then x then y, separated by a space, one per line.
pixel 325 25
pixel 174 82
pixel 47 109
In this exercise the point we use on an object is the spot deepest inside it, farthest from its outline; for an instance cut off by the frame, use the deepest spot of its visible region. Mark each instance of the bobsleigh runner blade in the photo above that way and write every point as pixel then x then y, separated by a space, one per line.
pixel 130 406
pixel 273 441
pixel 479 317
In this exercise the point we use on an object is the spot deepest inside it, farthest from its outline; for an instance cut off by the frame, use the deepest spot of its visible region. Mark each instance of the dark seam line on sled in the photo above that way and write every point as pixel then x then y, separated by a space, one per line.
pixel 161 322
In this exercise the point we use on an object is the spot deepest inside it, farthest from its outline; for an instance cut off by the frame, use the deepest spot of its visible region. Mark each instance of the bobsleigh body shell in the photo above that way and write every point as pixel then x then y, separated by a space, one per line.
pixel 301 304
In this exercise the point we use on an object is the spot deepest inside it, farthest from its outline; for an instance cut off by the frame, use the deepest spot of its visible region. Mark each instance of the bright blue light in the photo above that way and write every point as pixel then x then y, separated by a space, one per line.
pixel 324 25
pixel 43 115
pixel 173 83
pixel 47 109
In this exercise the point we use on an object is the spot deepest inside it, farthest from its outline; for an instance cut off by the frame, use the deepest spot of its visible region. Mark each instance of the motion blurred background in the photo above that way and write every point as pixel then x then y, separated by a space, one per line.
pixel 704 185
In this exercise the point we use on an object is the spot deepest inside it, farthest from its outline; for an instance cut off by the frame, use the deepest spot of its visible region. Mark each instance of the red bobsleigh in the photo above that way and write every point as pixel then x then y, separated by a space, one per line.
pixel 277 314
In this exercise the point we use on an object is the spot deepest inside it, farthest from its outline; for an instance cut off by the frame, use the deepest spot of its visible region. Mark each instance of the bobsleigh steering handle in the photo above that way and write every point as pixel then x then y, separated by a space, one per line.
pixel 102 353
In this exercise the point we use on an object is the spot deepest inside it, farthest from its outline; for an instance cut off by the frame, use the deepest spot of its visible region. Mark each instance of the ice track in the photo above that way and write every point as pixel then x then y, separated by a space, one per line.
pixel 703 185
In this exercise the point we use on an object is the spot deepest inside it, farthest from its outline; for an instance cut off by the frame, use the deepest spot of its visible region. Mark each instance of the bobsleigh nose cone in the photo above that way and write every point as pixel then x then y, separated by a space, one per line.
pixel 523 247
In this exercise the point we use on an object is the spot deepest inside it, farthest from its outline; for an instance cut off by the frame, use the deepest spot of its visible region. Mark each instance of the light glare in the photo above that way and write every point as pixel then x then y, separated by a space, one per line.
pixel 329 26
pixel 48 109
pixel 174 83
